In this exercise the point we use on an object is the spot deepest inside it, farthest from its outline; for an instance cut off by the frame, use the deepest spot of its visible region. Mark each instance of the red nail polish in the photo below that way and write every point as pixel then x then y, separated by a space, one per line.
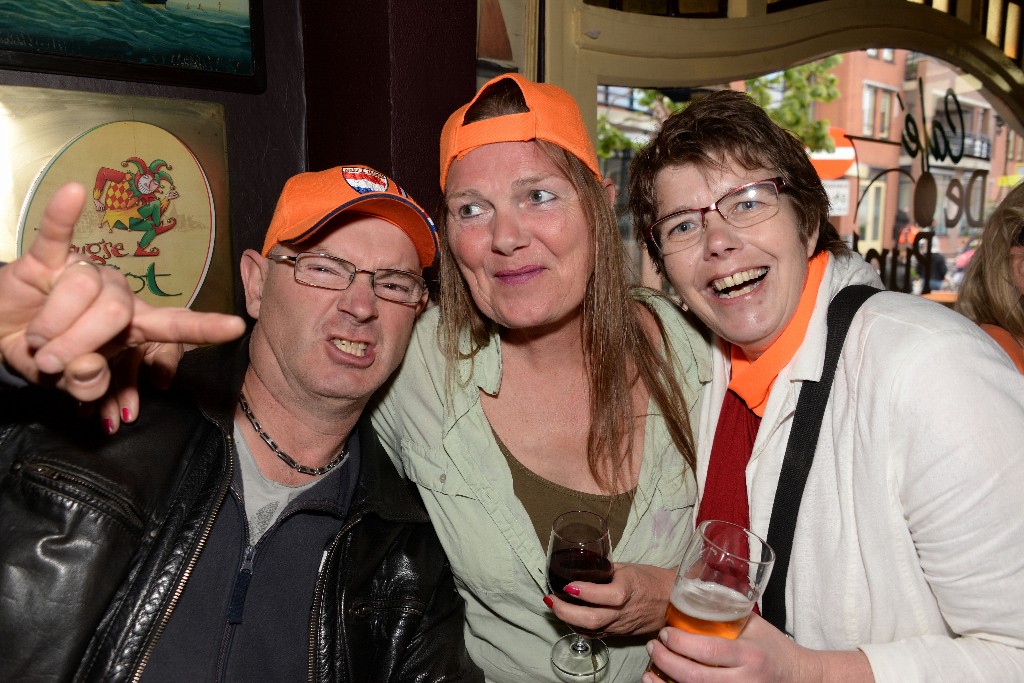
pixel 108 425
pixel 126 415
pixel 548 601
pixel 572 590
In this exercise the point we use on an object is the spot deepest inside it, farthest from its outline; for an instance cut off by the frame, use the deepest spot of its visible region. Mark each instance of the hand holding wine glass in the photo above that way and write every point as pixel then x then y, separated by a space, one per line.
pixel 579 550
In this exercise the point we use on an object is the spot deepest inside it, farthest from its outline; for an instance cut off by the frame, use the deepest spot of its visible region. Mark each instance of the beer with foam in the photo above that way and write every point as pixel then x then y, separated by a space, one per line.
pixel 722 575
pixel 708 609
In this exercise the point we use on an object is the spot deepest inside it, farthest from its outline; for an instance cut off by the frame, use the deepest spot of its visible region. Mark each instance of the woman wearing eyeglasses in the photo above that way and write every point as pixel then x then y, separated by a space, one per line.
pixel 908 545
pixel 992 293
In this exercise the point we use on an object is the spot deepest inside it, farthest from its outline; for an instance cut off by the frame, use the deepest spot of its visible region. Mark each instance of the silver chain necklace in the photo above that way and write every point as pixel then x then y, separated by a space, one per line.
pixel 288 460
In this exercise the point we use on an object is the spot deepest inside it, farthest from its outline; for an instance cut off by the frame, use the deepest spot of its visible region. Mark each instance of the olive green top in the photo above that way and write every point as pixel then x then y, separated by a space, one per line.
pixel 443 442
pixel 545 500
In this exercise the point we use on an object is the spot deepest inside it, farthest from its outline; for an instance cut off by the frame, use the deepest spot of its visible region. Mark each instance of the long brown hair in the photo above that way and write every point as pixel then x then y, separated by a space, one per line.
pixel 616 348
pixel 987 294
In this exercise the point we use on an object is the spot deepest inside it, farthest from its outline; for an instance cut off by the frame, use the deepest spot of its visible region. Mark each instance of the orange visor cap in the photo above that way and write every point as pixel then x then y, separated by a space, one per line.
pixel 553 116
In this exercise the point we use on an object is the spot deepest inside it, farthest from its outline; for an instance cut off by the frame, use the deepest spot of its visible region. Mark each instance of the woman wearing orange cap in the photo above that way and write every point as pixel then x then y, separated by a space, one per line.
pixel 904 544
pixel 992 293
pixel 541 384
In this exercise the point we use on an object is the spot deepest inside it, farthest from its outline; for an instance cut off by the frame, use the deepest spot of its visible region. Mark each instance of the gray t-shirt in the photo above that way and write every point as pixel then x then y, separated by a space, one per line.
pixel 265 499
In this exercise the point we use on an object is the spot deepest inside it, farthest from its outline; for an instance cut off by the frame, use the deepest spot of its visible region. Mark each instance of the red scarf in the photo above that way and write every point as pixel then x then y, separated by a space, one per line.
pixel 725 487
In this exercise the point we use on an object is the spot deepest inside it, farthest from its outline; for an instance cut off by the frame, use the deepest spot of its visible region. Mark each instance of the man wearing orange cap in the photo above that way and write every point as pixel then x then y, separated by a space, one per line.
pixel 248 525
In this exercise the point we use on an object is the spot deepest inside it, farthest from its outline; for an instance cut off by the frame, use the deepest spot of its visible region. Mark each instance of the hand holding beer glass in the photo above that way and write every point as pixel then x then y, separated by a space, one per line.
pixel 724 571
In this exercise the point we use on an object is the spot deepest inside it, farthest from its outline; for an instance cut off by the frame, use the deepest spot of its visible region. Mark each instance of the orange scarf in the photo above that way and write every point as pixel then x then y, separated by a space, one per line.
pixel 752 381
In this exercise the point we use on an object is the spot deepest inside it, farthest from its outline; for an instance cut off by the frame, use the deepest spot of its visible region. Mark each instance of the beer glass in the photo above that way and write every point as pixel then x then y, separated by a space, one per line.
pixel 724 571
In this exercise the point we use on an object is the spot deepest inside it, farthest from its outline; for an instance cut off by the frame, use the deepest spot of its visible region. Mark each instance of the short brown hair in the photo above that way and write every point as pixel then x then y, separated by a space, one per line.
pixel 724 127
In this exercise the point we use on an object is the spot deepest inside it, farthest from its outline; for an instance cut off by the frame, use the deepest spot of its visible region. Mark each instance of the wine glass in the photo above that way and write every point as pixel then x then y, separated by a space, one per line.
pixel 579 550
pixel 724 572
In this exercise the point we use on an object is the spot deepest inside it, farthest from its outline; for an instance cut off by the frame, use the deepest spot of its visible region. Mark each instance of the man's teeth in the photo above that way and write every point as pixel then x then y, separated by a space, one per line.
pixel 350 347
pixel 731 282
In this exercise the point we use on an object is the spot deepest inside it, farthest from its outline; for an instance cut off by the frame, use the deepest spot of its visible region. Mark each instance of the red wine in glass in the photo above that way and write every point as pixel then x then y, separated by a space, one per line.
pixel 577 564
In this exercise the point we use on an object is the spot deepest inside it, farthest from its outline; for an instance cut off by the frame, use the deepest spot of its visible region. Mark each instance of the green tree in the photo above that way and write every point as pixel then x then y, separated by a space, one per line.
pixel 659 104
pixel 611 139
pixel 789 96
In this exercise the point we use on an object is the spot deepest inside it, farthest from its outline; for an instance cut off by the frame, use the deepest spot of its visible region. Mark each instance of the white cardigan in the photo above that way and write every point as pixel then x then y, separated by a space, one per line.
pixel 910 540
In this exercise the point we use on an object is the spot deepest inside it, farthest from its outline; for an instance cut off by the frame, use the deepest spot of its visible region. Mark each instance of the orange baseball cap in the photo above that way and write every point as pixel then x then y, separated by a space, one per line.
pixel 553 116
pixel 310 200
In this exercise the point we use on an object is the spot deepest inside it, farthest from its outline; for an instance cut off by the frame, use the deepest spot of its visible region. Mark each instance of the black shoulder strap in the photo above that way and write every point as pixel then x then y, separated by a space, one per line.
pixel 803 439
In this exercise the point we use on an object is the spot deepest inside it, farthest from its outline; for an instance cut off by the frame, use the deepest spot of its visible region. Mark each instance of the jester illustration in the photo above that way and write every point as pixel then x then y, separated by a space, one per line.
pixel 130 200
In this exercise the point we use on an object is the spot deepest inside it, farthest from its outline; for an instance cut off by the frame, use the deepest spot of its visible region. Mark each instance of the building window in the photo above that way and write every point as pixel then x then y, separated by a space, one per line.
pixel 1011 145
pixel 876 108
pixel 888 54
pixel 884 114
pixel 969 120
pixel 870 212
pixel 872 52
pixel 868 110
pixel 616 96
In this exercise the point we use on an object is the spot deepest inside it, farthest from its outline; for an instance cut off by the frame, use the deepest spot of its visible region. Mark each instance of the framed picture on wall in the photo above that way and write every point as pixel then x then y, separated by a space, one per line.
pixel 197 43
pixel 155 171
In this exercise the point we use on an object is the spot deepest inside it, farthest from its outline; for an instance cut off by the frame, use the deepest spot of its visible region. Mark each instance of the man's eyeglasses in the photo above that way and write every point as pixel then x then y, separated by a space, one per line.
pixel 743 207
pixel 331 272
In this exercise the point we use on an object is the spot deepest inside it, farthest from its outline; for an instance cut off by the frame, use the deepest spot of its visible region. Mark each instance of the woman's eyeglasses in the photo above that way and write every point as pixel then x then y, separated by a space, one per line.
pixel 743 207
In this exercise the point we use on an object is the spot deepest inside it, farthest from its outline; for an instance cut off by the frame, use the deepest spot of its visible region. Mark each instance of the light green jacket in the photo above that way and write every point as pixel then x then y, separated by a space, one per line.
pixel 466 486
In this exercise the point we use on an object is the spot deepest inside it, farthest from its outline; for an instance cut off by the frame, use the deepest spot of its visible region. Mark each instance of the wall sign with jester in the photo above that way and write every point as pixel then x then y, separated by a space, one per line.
pixel 129 201
pixel 152 212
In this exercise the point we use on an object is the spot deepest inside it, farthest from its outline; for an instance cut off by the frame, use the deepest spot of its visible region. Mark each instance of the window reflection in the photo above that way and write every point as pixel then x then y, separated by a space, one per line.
pixel 922 137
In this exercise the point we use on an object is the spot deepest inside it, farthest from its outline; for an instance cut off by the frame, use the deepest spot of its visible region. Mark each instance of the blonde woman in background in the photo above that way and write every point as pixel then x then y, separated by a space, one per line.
pixel 992 293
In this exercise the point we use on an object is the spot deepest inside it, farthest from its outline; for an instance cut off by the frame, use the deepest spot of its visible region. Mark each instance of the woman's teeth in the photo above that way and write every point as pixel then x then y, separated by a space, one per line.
pixel 738 284
pixel 350 347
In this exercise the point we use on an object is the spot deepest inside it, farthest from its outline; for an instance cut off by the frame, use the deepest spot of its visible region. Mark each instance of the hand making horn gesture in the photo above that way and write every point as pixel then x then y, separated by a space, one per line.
pixel 62 316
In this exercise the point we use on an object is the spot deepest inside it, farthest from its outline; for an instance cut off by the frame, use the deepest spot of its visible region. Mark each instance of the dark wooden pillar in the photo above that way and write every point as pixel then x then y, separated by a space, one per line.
pixel 381 77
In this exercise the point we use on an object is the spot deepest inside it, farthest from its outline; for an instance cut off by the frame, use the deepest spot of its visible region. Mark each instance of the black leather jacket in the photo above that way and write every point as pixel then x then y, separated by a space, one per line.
pixel 98 537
